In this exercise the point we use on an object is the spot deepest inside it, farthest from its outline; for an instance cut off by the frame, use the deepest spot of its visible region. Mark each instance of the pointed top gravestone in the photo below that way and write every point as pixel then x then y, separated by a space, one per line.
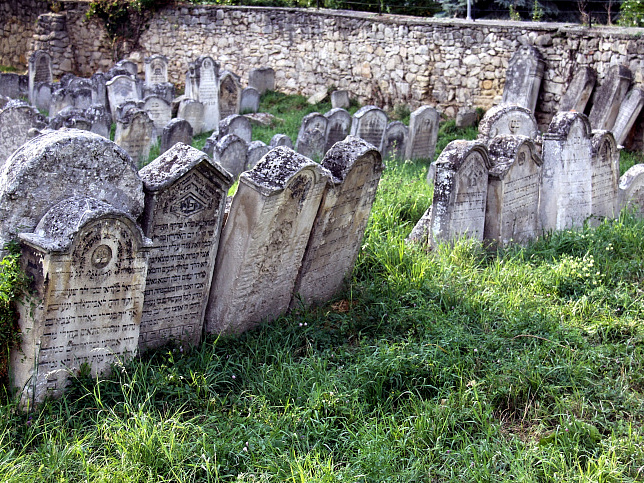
pixel 523 78
pixel 229 94
pixel 39 71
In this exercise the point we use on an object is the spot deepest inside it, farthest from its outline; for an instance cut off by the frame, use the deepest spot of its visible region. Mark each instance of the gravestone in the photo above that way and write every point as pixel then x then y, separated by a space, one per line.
pixel 207 89
pixel 193 112
pixel 311 139
pixel 156 69
pixel 124 108
pixel 71 117
pixel 466 117
pixel 578 93
pixel 80 98
pixel 159 110
pixel 164 91
pixel 121 89
pixel 395 141
pixel 238 125
pixel 39 71
pixel 185 196
pixel 340 99
pixel 13 85
pixel 176 131
pixel 262 79
pixel 229 94
pixel 231 152
pixel 423 133
pixel 135 133
pixel 129 66
pixel 99 89
pixel 256 151
pixel 338 126
pixel 17 122
pixel 100 119
pixel 609 97
pixel 263 241
pixel 523 78
pixel 87 261
pixel 369 123
pixel 566 181
pixel 281 140
pixel 512 204
pixel 631 189
pixel 61 164
pixel 508 121
pixel 336 236
pixel 605 175
pixel 249 101
pixel 42 95
pixel 629 109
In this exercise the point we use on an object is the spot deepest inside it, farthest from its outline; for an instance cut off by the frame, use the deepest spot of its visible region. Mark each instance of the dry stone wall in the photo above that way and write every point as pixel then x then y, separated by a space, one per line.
pixel 17 27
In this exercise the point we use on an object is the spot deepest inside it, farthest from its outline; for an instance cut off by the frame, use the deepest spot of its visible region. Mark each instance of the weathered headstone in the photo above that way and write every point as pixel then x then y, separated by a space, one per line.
pixel 229 94
pixel 512 205
pixel 609 97
pixel 70 117
pixel 338 126
pixel 128 65
pixel 605 175
pixel 99 89
pixel 207 89
pixel 423 133
pixel 124 108
pixel 156 69
pixel 176 131
pixel 395 141
pixel 578 93
pixel 256 151
pixel 336 236
pixel 185 196
pixel 340 99
pixel 135 133
pixel 262 79
pixel 17 120
pixel 231 152
pixel 119 90
pixel 164 91
pixel 566 181
pixel 249 101
pixel 311 139
pixel 508 120
pixel 39 71
pixel 628 111
pixel 523 78
pixel 159 110
pixel 14 85
pixel 281 140
pixel 100 119
pixel 466 117
pixel 42 95
pixel 236 124
pixel 263 241
pixel 87 261
pixel 369 123
pixel 193 112
pixel 631 189
pixel 80 98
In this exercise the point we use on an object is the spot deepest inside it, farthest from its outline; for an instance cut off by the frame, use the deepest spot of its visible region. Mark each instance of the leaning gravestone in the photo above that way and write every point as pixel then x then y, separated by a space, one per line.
pixel 176 131
pixel 281 140
pixel 87 261
pixel 311 139
pixel 256 151
pixel 61 164
pixel 341 221
pixel 156 69
pixel 135 133
pixel 627 114
pixel 369 123
pixel 249 101
pixel 121 89
pixel 566 183
pixel 338 126
pixel 236 124
pixel 263 241
pixel 631 189
pixel 39 71
pixel 609 97
pixel 395 140
pixel 229 94
pixel 512 205
pixel 508 121
pixel 262 79
pixel 423 133
pixel 231 151
pixel 185 196
pixel 193 112
pixel 523 78
pixel 578 92
pixel 340 99
pixel 159 110
pixel 17 122
pixel 605 175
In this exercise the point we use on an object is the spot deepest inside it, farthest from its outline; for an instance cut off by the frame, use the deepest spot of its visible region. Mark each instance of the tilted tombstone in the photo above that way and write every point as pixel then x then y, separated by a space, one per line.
pixel 210 146
pixel 193 112
pixel 156 69
pixel 508 121
pixel 164 91
pixel 17 122
pixel 338 229
pixel 236 124
pixel 256 151
pixel 395 141
pixel 523 78
pixel 609 97
pixel 176 131
pixel 311 139
pixel 631 189
pixel 39 71
pixel 14 85
pixel 423 133
pixel 185 196
pixel 627 114
pixel 566 178
pixel 70 117
pixel 128 65
pixel 338 126
pixel 281 140
pixel 229 94
pixel 605 175
pixel 231 152
pixel 340 99
pixel 116 71
pixel 249 101
pixel 59 165
pixel 121 89
pixel 369 123
pixel 159 110
pixel 207 90
pixel 263 241
pixel 135 133
pixel 100 119
pixel 512 204
pixel 262 79
pixel 579 90
pixel 42 95
pixel 87 261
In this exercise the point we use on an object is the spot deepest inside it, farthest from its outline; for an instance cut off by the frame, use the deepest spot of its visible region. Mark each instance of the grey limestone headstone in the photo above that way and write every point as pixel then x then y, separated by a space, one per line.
pixel 338 126
pixel 249 101
pixel 164 91
pixel 61 164
pixel 523 78
pixel 263 241
pixel 206 90
pixel 128 65
pixel 341 221
pixel 159 110
pixel 605 175
pixel 80 98
pixel 135 133
pixel 156 69
pixel 42 95
pixel 229 94
pixel 311 139
pixel 369 123
pixel 609 96
pixel 256 151
pixel 100 119
pixel 631 189
pixel 176 131
pixel 577 95
pixel 629 109
pixel 123 109
pixel 395 140
pixel 231 152
pixel 39 71
pixel 14 85
pixel 70 117
pixel 99 89
pixel 193 112
pixel 512 205
pixel 262 79
pixel 17 122
pixel 466 117
pixel 281 140
pixel 508 120
pixel 423 133
pixel 87 261
pixel 121 89
pixel 236 124
pixel 566 190
pixel 340 99
pixel 185 196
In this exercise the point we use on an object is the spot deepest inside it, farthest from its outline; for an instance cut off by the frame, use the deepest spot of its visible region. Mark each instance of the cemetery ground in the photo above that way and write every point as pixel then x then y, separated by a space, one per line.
pixel 457 364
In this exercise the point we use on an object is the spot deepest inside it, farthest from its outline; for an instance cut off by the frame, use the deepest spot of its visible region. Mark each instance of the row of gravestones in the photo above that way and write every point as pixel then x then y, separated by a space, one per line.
pixel 123 261
pixel 511 184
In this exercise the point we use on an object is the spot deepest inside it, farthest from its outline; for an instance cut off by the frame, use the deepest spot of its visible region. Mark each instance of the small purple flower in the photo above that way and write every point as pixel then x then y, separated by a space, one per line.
pixel 234 376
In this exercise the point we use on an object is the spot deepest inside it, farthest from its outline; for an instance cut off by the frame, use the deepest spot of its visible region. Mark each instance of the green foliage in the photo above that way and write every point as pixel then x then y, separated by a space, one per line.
pixel 537 12
pixel 7 68
pixel 632 13
pixel 514 14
